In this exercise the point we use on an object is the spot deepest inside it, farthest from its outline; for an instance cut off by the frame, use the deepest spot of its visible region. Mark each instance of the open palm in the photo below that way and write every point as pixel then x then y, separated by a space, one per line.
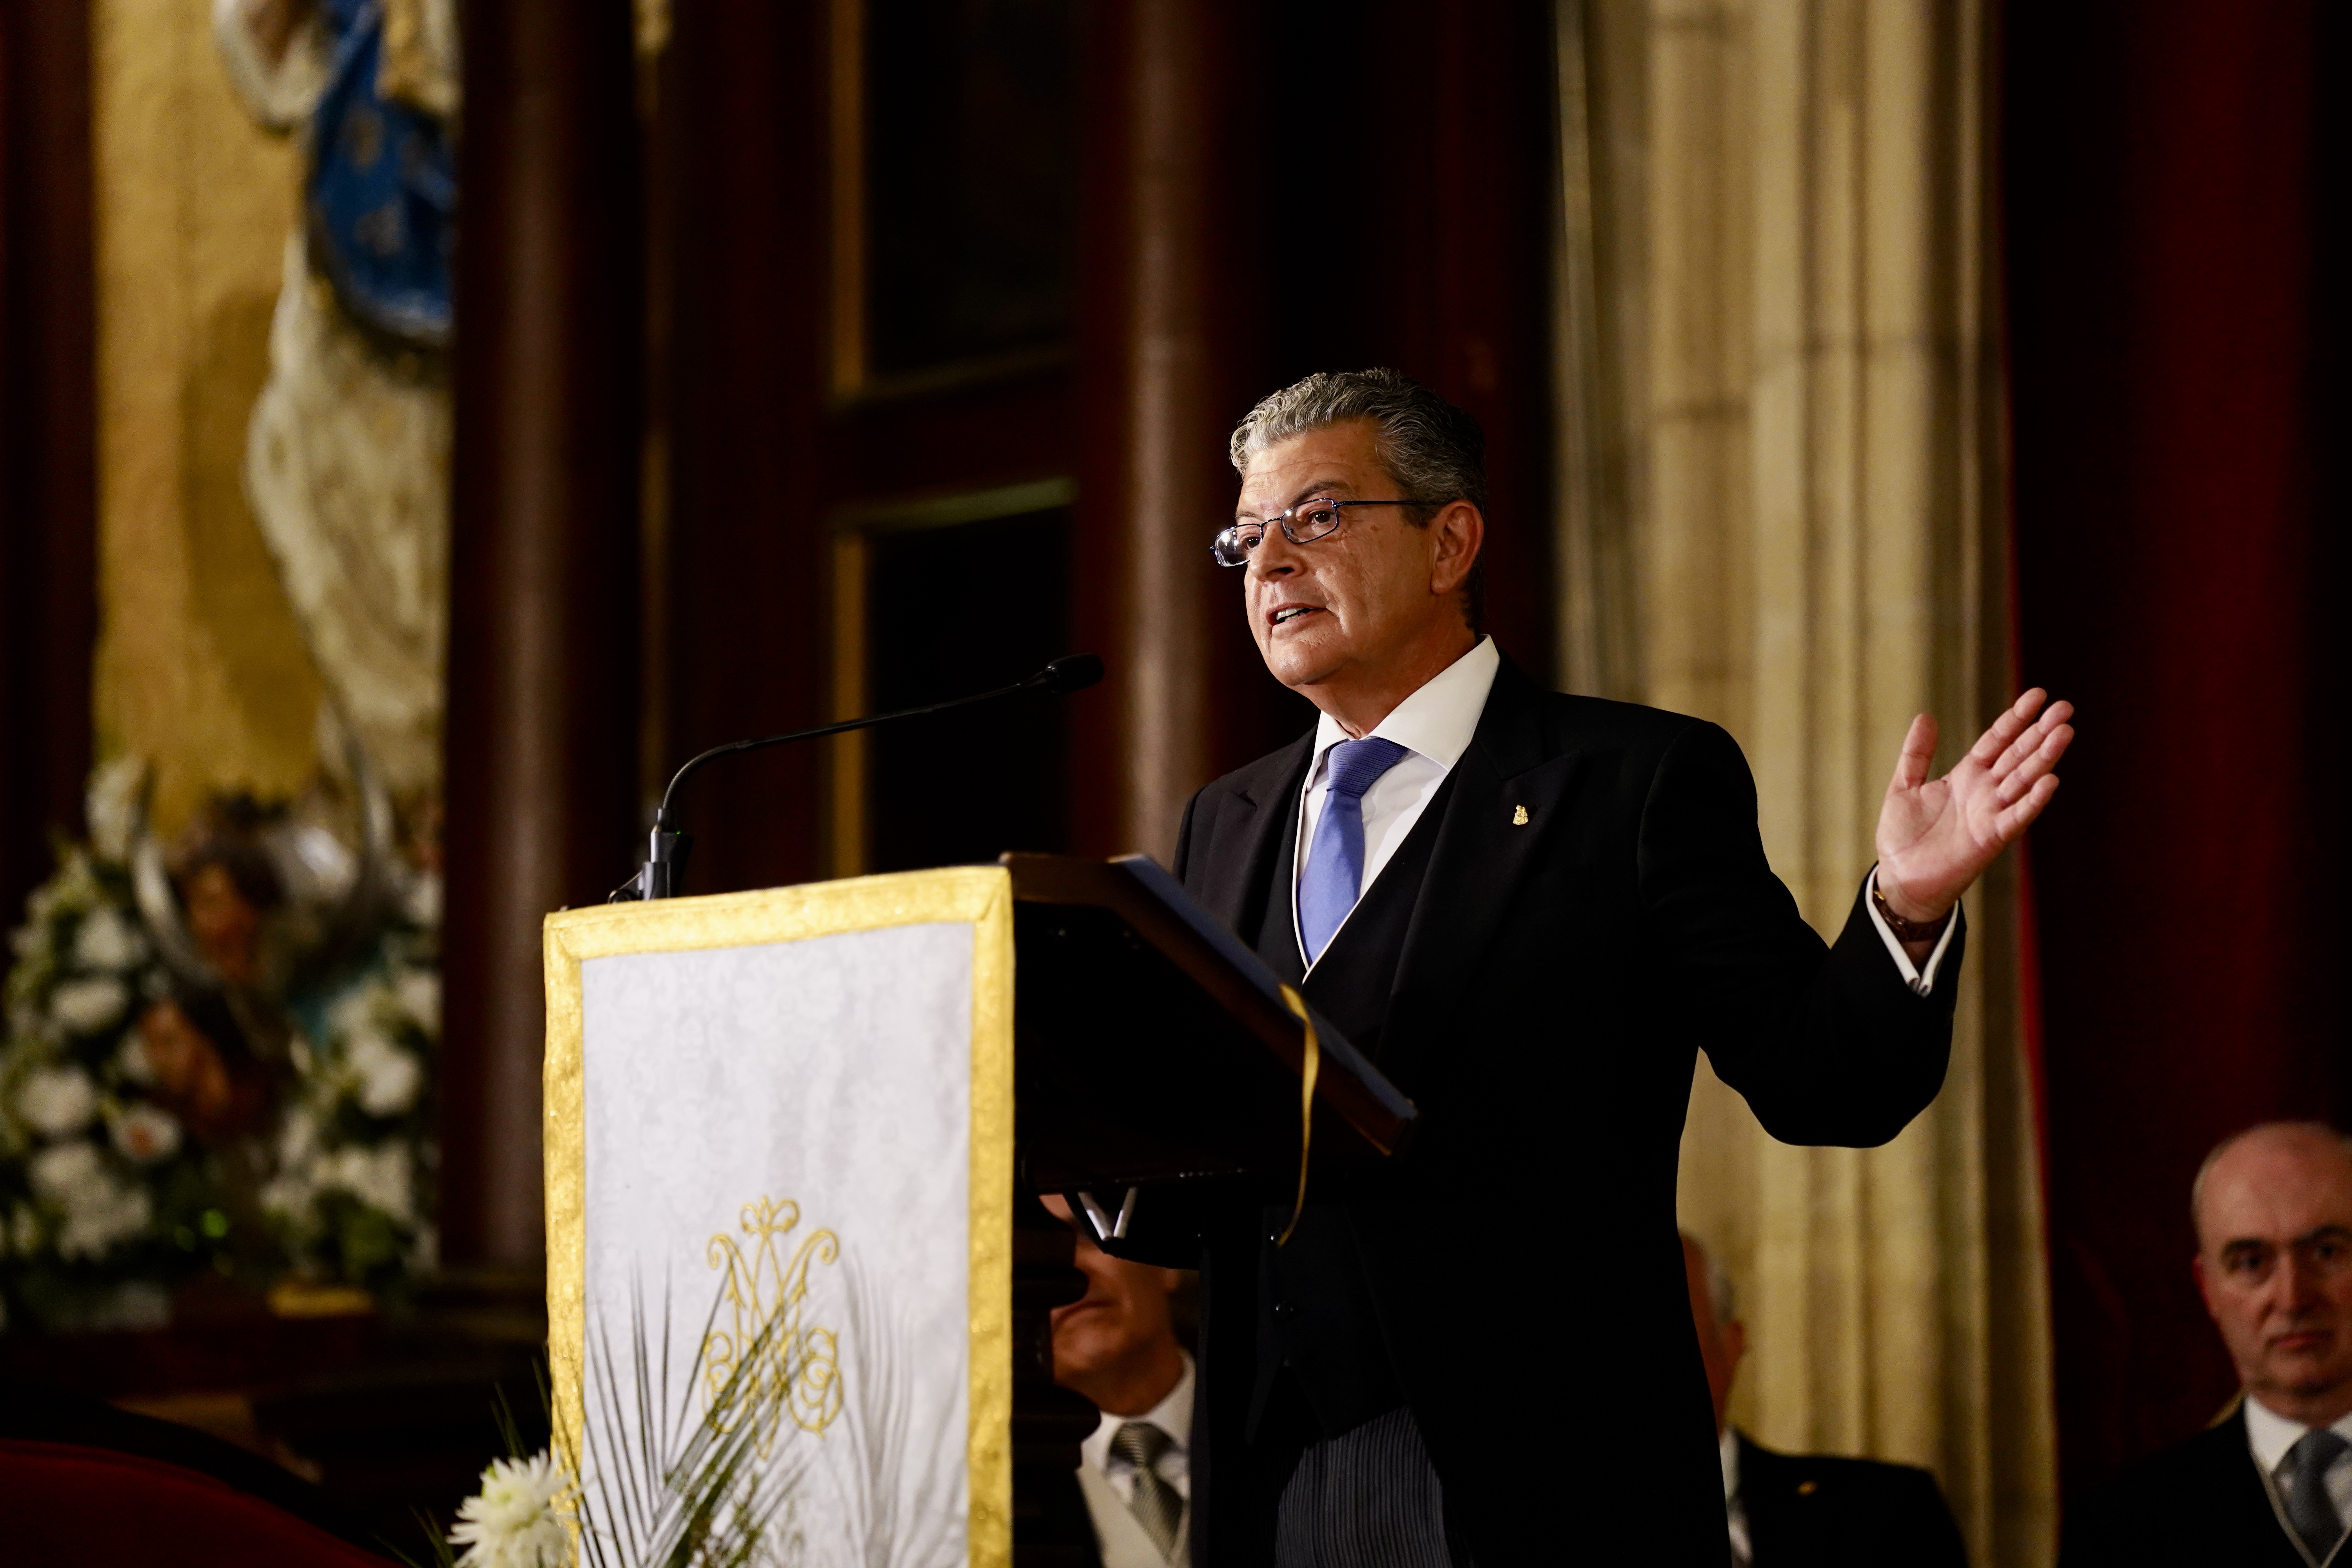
pixel 1936 837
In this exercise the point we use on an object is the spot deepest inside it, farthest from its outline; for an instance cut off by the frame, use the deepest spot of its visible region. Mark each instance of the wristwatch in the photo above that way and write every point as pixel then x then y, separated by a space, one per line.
pixel 1906 930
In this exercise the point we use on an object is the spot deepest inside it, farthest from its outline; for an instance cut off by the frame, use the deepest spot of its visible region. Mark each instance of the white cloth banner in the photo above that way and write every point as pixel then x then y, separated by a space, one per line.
pixel 777 1137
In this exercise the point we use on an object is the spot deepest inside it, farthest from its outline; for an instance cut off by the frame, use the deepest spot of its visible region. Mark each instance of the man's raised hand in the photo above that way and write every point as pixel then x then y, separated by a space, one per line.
pixel 1936 837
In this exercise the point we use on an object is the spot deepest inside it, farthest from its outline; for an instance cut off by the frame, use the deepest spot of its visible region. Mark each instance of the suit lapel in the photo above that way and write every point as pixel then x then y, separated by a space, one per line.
pixel 1498 815
pixel 1248 834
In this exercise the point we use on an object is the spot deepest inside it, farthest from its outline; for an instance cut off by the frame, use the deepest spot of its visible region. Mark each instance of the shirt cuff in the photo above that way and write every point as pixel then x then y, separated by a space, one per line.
pixel 1921 981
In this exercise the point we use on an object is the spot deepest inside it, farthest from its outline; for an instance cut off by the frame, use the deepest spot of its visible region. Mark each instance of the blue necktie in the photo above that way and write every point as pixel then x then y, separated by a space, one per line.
pixel 1335 860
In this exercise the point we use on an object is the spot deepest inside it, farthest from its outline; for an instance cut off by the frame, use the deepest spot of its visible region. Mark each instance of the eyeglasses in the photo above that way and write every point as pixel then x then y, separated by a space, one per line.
pixel 1308 520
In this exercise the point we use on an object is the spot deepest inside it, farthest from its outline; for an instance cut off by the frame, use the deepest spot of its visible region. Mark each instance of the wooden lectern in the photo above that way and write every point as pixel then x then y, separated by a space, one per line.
pixel 809 1125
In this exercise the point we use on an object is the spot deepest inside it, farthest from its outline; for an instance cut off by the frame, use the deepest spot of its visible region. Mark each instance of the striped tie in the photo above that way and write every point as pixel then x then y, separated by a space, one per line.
pixel 2303 1479
pixel 1155 1504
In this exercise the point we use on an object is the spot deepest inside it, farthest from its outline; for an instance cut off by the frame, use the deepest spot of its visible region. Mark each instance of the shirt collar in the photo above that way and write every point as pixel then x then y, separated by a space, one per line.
pixel 1172 1415
pixel 2271 1434
pixel 1437 721
pixel 1727 1447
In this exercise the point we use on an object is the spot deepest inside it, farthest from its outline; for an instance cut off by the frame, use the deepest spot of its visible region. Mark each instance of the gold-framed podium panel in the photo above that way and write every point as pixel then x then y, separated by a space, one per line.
pixel 794 1107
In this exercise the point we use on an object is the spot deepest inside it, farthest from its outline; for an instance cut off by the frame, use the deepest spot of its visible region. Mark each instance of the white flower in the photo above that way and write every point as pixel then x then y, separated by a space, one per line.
pixel 421 900
pixel 91 1232
pixel 353 1010
pixel 113 805
pixel 513 1522
pixel 99 1212
pixel 388 1078
pixel 57 1101
pixel 419 991
pixel 297 1136
pixel 66 1173
pixel 87 1006
pixel 147 1134
pixel 132 1062
pixel 377 1177
pixel 107 941
pixel 288 1194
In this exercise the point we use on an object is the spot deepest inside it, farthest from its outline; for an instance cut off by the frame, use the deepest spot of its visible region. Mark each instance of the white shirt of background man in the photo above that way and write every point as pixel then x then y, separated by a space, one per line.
pixel 1108 1481
pixel 1435 725
pixel 2270 1436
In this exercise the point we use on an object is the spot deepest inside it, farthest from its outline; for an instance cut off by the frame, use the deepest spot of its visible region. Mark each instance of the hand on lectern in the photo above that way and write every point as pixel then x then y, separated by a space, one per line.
pixel 1936 837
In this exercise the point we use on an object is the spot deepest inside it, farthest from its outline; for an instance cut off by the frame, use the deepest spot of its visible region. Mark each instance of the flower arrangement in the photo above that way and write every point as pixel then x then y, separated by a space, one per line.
pixel 516 1519
pixel 666 1485
pixel 108 1200
pixel 180 1098
pixel 350 1199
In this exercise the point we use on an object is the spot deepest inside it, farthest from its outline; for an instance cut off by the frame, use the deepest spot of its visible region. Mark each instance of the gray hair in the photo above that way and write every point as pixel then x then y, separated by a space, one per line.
pixel 1435 451
pixel 2336 1135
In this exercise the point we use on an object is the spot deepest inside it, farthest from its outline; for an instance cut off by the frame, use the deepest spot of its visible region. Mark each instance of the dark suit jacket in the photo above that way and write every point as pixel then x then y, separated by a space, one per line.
pixel 1557 979
pixel 1809 1510
pixel 2201 1502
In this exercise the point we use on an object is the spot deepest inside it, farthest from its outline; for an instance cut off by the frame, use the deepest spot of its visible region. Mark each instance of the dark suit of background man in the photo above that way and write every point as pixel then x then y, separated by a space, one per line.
pixel 1808 1510
pixel 1485 1356
pixel 2269 1484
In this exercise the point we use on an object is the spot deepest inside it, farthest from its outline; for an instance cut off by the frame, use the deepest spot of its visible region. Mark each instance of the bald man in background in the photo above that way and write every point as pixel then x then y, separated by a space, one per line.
pixel 2269 1484
pixel 1808 1510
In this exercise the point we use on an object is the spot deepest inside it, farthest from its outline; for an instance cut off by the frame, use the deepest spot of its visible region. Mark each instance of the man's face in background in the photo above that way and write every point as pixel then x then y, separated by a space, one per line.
pixel 2274 1263
pixel 1117 1344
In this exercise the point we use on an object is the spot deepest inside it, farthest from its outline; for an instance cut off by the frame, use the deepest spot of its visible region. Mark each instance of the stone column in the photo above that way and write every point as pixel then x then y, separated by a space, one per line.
pixel 1812 516
pixel 541 777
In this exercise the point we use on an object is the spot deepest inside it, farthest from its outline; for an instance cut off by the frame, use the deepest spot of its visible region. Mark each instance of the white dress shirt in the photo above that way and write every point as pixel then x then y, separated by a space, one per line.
pixel 1434 726
pixel 2270 1436
pixel 1108 1481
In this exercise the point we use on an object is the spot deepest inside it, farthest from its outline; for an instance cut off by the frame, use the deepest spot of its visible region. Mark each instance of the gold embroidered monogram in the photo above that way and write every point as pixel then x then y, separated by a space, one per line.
pixel 797 1369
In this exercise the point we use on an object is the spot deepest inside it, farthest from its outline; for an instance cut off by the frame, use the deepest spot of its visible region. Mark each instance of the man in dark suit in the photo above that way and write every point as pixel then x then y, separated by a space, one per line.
pixel 1808 1510
pixel 2269 1484
pixel 1529 909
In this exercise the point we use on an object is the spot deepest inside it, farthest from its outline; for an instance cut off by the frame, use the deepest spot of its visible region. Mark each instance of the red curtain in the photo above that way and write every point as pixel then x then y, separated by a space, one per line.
pixel 2167 235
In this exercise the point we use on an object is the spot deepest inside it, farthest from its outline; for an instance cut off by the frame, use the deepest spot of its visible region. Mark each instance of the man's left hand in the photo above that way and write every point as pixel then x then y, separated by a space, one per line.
pixel 1936 837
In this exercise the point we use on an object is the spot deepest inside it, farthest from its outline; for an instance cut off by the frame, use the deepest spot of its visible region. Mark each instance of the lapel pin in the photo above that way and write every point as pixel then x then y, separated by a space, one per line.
pixel 1518 816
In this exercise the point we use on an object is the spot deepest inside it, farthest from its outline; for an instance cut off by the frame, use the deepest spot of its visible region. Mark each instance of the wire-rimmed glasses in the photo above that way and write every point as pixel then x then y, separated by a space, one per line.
pixel 1308 520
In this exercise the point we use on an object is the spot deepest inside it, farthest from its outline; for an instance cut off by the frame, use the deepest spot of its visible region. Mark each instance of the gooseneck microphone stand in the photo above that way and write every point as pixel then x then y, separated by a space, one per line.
pixel 665 864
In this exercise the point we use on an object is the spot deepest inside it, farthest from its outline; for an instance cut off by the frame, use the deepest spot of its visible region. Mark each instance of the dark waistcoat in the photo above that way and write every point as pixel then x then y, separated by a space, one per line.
pixel 1315 1312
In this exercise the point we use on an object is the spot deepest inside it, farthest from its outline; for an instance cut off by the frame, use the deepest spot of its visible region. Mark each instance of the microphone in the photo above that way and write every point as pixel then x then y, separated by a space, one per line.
pixel 665 864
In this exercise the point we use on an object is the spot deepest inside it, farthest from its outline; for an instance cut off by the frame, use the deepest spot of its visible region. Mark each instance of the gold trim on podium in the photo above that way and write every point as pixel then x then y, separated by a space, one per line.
pixel 979 896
